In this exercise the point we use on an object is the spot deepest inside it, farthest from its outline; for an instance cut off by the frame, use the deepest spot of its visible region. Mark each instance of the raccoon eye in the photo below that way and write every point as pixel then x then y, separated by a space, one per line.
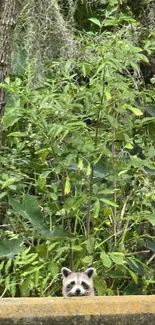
pixel 72 283
pixel 85 285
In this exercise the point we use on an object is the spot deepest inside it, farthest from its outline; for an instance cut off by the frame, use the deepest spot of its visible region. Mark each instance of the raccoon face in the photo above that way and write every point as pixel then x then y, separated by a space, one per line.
pixel 77 283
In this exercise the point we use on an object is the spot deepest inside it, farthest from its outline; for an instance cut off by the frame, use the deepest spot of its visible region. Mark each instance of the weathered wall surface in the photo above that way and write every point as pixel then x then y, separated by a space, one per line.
pixel 124 310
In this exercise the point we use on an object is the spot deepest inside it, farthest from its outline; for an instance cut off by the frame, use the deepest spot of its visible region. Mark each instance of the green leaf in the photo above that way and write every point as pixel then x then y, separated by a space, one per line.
pixel 29 209
pixel 42 179
pixel 53 196
pixel 33 210
pixel 132 262
pixel 123 172
pixel 107 191
pixel 109 22
pixel 5 86
pixel 96 208
pixel 17 134
pixel 151 219
pixel 143 58
pixel 2 195
pixel 135 110
pixel 10 248
pixel 136 265
pixel 25 286
pixel 9 182
pixel 100 285
pixel 80 164
pixel 41 250
pixel 133 275
pixel 57 233
pixel 107 94
pixel 41 182
pixel 89 170
pixel 56 130
pixel 113 121
pixel 128 146
pixel 135 66
pixel 67 186
pixel 105 259
pixel 118 258
pixel 9 120
pixel 32 269
pixel 75 125
pixel 87 260
pixel 11 116
pixel 76 248
pixel 108 202
pixel 85 70
pixel 12 187
pixel 90 244
pixel 150 243
pixel 18 208
pixel 95 21
pixel 100 68
pixel 43 153
pixel 54 268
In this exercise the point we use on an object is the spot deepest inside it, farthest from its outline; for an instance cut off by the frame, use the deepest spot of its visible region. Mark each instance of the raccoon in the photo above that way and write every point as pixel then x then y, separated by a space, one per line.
pixel 77 283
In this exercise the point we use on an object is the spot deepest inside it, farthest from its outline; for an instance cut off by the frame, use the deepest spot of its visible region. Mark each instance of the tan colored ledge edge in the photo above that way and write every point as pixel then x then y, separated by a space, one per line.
pixel 85 310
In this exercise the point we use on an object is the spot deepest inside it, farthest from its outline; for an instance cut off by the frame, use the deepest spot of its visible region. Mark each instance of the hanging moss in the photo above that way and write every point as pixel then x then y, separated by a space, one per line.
pixel 43 34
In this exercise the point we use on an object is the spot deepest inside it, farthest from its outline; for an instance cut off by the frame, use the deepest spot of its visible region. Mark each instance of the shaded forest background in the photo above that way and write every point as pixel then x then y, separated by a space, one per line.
pixel 77 103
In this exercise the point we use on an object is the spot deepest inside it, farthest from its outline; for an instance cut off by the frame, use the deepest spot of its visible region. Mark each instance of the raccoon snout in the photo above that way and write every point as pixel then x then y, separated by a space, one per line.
pixel 78 291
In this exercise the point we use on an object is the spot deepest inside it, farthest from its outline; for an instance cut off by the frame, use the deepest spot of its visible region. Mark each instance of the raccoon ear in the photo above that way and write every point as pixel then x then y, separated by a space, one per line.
pixel 90 272
pixel 65 272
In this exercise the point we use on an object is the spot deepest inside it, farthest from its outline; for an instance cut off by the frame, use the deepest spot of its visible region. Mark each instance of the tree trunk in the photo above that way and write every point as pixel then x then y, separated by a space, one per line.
pixel 8 14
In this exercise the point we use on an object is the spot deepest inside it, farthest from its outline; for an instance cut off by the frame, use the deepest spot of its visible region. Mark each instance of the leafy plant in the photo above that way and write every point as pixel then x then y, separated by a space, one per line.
pixel 77 168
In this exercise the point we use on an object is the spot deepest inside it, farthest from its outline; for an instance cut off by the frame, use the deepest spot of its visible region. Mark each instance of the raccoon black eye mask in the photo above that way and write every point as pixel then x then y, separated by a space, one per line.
pixel 77 284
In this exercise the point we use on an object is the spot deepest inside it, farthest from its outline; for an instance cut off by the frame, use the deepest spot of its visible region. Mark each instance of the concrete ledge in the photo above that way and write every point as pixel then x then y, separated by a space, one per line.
pixel 118 310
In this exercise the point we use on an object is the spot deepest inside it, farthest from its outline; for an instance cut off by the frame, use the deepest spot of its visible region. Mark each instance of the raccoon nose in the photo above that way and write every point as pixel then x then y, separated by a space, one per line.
pixel 78 291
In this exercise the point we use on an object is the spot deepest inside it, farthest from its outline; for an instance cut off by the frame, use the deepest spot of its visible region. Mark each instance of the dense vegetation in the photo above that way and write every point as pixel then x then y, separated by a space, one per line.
pixel 77 154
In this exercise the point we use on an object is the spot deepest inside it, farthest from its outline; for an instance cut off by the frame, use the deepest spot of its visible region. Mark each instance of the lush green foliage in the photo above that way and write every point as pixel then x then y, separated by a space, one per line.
pixel 77 170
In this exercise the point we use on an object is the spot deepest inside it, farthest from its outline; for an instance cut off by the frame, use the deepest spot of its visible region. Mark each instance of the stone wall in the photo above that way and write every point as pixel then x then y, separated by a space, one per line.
pixel 118 310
